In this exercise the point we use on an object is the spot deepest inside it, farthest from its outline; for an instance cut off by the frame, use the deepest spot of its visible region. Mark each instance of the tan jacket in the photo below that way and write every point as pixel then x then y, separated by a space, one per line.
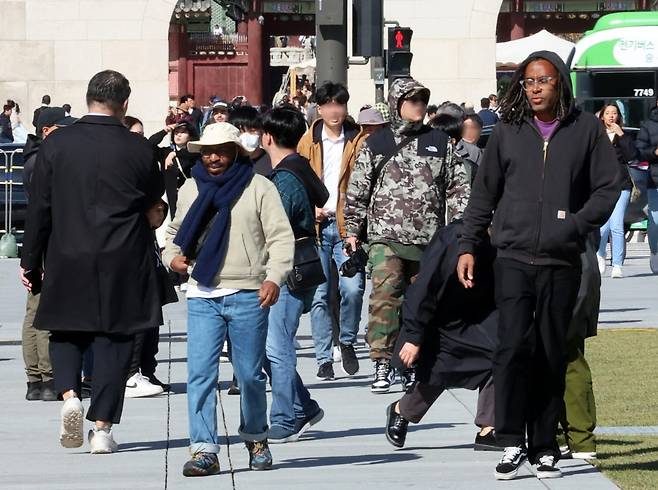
pixel 310 147
pixel 261 245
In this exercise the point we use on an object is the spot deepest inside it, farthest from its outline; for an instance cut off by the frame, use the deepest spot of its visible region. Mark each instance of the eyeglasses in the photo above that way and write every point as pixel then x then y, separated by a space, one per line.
pixel 529 83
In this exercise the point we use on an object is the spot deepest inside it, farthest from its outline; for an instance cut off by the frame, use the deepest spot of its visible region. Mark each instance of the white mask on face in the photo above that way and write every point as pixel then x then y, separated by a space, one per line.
pixel 251 142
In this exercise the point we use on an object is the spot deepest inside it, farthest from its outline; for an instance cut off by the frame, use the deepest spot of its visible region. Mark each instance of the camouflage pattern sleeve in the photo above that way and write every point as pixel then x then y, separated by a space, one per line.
pixel 358 193
pixel 458 185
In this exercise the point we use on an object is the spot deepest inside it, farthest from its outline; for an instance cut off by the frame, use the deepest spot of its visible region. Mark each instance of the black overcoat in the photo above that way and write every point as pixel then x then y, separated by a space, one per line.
pixel 92 185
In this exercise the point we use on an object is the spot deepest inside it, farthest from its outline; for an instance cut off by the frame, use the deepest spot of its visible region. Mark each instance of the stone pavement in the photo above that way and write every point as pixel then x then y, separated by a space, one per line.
pixel 346 450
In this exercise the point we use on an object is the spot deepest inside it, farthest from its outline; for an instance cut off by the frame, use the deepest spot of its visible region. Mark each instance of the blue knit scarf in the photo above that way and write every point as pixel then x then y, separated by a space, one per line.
pixel 215 193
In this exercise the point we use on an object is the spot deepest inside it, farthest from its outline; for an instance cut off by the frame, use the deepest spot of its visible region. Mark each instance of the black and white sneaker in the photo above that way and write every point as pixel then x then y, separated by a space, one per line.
pixel 349 362
pixel 384 377
pixel 547 467
pixel 512 460
pixel 325 372
pixel 408 379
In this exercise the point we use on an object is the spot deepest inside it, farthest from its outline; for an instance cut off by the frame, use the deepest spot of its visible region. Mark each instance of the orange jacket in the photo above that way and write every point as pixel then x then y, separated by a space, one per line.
pixel 310 147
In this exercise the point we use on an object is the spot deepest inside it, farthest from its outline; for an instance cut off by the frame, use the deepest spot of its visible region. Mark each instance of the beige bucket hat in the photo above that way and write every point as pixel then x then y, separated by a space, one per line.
pixel 217 134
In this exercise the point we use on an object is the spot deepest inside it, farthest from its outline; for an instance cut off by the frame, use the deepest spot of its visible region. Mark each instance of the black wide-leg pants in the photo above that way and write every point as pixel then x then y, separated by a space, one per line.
pixel 112 356
pixel 535 305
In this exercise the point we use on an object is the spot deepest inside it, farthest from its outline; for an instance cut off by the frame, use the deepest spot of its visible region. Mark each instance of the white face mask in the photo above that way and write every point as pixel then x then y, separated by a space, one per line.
pixel 251 142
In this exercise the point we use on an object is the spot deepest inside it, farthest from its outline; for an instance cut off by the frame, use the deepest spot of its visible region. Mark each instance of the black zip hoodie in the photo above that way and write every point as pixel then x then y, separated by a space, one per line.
pixel 547 196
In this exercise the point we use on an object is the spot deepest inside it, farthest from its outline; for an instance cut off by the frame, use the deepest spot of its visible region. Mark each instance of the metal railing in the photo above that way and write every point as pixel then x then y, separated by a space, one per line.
pixel 12 194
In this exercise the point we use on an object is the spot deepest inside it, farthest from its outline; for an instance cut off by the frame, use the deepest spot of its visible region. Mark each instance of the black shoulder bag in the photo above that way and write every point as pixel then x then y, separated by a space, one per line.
pixel 307 270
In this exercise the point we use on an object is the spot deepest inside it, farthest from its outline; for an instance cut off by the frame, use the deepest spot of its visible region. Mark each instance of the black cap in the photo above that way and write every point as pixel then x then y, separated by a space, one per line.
pixel 53 116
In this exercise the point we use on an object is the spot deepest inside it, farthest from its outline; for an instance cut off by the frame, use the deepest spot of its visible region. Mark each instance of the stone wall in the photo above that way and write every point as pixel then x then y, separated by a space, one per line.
pixel 55 46
pixel 454 46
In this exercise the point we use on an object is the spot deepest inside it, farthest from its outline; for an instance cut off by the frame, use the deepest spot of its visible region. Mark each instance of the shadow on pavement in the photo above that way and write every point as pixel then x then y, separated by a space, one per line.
pixel 431 448
pixel 368 431
pixel 620 310
pixel 618 322
pixel 360 460
pixel 134 447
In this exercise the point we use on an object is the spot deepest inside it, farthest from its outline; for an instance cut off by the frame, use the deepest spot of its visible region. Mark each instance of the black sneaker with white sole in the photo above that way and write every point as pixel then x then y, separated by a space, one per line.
pixel 384 376
pixel 325 372
pixel 408 379
pixel 349 362
pixel 509 465
pixel 547 467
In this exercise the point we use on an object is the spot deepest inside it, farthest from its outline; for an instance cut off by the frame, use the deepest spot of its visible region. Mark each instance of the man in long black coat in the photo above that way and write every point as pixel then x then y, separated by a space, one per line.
pixel 87 230
pixel 449 334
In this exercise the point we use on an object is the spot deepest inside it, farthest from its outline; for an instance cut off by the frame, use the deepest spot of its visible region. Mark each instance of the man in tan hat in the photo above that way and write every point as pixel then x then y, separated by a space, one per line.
pixel 371 121
pixel 233 236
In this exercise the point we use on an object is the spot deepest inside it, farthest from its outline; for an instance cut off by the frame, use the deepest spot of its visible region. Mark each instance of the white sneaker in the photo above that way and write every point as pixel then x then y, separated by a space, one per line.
pixel 653 263
pixel 70 432
pixel 338 357
pixel 616 272
pixel 102 442
pixel 547 468
pixel 601 261
pixel 584 455
pixel 139 386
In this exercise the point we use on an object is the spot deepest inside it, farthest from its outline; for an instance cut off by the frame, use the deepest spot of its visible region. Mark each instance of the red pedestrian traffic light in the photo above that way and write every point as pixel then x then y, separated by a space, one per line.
pixel 399 55
pixel 399 38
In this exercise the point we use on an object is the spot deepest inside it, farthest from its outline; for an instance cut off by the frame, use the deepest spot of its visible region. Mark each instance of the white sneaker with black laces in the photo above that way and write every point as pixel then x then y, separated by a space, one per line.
pixel 384 377
pixel 139 386
pixel 547 467
pixel 509 465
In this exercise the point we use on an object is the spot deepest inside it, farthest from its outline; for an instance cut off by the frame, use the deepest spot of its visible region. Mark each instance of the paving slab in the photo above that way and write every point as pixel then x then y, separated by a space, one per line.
pixel 347 450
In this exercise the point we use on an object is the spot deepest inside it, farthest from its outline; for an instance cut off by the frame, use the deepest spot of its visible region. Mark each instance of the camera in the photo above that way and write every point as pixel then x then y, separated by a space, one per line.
pixel 355 264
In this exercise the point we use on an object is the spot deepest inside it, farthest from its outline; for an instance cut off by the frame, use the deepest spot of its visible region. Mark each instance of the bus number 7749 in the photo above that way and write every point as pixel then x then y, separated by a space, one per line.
pixel 643 92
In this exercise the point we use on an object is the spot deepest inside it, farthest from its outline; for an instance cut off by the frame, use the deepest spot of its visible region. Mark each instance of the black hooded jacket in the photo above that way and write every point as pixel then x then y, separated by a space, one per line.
pixel 547 196
pixel 647 142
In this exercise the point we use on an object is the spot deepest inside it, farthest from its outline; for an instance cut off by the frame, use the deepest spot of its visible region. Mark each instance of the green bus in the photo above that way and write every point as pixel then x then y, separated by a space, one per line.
pixel 618 61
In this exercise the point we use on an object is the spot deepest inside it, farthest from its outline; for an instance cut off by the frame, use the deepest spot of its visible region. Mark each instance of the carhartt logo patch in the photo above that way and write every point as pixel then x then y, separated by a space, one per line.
pixel 561 214
pixel 433 149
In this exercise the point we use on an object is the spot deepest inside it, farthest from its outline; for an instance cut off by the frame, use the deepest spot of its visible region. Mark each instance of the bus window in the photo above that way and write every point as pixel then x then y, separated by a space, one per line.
pixel 634 111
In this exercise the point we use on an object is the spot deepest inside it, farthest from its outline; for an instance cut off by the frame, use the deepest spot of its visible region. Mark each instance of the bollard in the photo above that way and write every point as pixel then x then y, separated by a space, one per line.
pixel 8 246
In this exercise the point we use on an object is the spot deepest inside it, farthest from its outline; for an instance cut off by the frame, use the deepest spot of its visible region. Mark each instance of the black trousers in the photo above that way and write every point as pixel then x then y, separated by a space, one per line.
pixel 415 404
pixel 535 305
pixel 112 356
pixel 145 349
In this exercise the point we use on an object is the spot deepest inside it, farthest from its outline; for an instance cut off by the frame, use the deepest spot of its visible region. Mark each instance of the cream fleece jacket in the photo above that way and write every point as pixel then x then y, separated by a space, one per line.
pixel 261 245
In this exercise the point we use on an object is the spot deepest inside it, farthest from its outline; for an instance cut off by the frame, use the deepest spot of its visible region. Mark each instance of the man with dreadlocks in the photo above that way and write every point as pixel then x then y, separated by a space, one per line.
pixel 549 175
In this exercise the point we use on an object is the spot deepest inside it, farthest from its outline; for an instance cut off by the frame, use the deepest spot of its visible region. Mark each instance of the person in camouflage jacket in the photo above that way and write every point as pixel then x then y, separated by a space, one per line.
pixel 422 186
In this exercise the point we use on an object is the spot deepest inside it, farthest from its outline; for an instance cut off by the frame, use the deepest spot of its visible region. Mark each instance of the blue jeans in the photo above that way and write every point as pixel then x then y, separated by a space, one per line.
pixel 351 297
pixel 645 183
pixel 615 227
pixel 290 398
pixel 209 321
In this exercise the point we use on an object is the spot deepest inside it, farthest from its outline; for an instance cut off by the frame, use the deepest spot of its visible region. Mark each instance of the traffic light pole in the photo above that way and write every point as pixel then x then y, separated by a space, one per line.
pixel 331 45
